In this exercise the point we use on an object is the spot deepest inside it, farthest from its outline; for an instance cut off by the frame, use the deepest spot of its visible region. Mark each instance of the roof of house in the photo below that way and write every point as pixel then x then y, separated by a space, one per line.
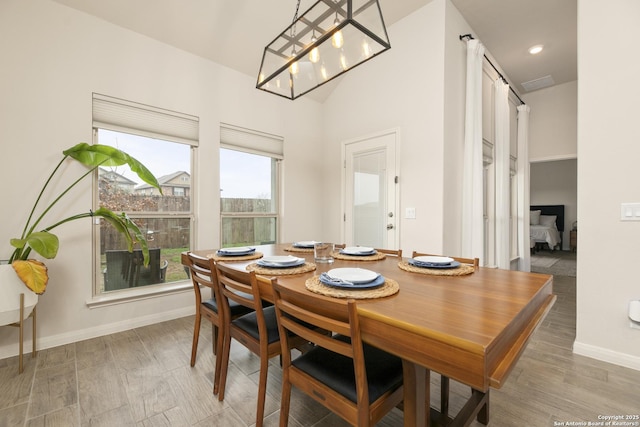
pixel 165 179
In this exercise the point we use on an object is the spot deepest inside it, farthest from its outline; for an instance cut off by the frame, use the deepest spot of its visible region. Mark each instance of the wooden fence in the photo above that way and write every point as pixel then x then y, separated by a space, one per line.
pixel 175 232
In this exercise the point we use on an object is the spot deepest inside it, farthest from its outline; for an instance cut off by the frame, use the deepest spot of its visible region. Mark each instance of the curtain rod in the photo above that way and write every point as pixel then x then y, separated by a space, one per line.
pixel 469 36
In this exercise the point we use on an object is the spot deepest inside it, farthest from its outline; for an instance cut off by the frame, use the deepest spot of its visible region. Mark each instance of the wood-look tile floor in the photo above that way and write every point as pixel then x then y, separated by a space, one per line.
pixel 142 378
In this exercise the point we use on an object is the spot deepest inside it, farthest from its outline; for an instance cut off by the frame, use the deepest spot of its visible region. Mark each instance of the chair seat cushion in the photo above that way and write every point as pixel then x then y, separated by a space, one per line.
pixel 384 371
pixel 235 308
pixel 249 323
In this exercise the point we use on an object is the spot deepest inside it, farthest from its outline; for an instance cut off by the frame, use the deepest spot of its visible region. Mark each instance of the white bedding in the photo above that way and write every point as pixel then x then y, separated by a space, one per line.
pixel 545 234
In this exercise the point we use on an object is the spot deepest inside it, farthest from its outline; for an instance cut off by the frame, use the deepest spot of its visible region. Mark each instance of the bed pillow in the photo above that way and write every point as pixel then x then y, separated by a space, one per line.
pixel 548 220
pixel 534 217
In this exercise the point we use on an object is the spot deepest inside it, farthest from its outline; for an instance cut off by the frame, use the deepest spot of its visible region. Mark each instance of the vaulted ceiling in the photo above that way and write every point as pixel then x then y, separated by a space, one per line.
pixel 234 33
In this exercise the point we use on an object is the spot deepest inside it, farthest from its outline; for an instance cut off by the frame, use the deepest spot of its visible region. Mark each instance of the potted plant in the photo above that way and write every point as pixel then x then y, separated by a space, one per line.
pixel 35 237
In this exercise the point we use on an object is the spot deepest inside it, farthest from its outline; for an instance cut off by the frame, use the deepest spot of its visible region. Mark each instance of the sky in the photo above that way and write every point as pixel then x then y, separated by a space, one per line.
pixel 242 175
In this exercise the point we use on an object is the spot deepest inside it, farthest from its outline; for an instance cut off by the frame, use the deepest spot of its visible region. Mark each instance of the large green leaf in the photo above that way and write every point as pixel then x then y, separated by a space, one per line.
pixel 43 242
pixel 142 172
pixel 105 155
pixel 128 228
pixel 96 155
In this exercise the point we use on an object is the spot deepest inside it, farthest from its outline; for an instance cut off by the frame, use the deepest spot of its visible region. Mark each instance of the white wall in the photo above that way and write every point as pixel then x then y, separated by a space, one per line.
pixel 556 183
pixel 553 131
pixel 553 148
pixel 403 88
pixel 608 153
pixel 53 58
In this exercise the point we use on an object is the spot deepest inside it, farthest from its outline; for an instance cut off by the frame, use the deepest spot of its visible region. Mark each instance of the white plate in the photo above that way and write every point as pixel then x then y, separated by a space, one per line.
pixel 441 260
pixel 282 260
pixel 357 250
pixel 305 244
pixel 240 249
pixel 353 275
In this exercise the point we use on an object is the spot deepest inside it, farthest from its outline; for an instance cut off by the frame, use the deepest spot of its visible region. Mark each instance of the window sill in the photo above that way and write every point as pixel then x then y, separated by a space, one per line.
pixel 137 294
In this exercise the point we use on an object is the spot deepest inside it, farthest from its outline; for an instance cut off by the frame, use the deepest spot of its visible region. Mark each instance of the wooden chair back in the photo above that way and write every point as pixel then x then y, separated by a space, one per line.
pixel 392 252
pixel 203 275
pixel 309 317
pixel 239 286
pixel 256 331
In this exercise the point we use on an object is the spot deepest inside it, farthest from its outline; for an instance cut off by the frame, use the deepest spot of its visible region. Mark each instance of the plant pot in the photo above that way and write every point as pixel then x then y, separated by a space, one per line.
pixel 10 289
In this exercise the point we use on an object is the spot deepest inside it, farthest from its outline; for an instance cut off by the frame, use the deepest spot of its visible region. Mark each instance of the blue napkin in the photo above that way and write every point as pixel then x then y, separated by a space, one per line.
pixel 330 280
pixel 228 252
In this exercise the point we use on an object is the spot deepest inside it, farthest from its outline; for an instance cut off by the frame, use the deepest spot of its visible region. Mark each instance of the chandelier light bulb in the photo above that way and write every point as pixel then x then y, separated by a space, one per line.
pixel 323 71
pixel 366 49
pixel 293 68
pixel 343 61
pixel 337 40
pixel 314 55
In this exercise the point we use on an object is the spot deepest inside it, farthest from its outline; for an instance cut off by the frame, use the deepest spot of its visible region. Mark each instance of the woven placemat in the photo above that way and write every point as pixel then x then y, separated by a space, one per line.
pixel 375 257
pixel 217 257
pixel 464 269
pixel 267 271
pixel 389 287
pixel 299 250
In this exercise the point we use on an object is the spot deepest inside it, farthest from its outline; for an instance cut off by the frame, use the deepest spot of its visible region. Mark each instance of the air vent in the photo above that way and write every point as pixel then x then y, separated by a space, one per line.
pixel 540 83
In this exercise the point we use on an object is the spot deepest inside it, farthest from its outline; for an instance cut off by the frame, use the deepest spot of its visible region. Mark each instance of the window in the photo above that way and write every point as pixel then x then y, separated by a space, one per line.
pixel 165 219
pixel 249 177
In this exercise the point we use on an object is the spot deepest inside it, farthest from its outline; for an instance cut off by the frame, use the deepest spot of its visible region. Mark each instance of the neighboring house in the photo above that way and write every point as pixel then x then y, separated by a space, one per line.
pixel 175 184
pixel 117 180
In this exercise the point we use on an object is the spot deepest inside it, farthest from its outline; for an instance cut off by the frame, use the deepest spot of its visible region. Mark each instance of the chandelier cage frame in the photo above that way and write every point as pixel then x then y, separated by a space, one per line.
pixel 287 69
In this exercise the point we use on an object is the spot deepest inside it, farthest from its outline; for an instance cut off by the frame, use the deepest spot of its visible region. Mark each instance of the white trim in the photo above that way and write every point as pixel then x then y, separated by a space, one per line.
pixel 98 331
pixel 606 355
pixel 553 158
pixel 138 293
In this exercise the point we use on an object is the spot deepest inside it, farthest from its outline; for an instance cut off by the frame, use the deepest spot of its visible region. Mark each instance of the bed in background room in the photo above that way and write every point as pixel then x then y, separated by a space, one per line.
pixel 546 226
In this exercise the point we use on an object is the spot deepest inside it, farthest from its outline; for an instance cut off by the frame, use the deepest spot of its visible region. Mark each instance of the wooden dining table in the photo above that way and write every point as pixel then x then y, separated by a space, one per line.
pixel 471 328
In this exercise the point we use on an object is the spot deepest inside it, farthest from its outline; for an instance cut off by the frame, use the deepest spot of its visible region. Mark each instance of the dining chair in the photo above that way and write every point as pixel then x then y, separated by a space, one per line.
pixel 444 381
pixel 203 275
pixel 356 381
pixel 392 252
pixel 257 331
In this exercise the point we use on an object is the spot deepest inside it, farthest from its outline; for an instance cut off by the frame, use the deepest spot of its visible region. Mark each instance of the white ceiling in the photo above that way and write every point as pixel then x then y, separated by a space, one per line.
pixel 234 32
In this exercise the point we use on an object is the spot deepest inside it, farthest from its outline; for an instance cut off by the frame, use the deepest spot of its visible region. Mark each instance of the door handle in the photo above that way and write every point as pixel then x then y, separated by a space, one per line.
pixel 389 226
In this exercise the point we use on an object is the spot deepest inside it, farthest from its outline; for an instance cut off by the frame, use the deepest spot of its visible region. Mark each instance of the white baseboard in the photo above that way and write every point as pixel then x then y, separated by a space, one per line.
pixel 94 332
pixel 606 355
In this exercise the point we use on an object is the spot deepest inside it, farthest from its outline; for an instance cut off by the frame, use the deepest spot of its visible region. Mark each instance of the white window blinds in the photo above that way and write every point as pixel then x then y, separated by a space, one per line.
pixel 131 117
pixel 251 141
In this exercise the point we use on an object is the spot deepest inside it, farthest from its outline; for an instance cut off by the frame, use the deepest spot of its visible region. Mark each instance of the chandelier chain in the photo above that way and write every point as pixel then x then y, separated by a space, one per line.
pixel 295 18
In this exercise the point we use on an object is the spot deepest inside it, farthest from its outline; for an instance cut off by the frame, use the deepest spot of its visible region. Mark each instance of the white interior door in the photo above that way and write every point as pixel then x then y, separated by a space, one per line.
pixel 370 182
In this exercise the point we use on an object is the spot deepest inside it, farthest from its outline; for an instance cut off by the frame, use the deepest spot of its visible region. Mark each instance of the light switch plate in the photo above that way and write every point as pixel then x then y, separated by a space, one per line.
pixel 630 212
pixel 410 213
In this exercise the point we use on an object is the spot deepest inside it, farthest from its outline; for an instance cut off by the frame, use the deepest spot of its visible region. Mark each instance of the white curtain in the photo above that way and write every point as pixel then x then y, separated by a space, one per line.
pixel 524 241
pixel 503 174
pixel 472 193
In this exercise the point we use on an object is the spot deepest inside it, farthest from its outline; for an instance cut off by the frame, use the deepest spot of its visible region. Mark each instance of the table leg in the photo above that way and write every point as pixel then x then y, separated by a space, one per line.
pixel 444 396
pixel 483 415
pixel 416 394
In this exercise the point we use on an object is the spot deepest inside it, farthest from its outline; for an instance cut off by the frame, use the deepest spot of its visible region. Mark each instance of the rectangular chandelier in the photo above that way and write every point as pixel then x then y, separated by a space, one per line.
pixel 329 39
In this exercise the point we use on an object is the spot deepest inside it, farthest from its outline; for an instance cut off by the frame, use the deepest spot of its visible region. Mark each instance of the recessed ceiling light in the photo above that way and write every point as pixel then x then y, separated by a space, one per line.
pixel 535 49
